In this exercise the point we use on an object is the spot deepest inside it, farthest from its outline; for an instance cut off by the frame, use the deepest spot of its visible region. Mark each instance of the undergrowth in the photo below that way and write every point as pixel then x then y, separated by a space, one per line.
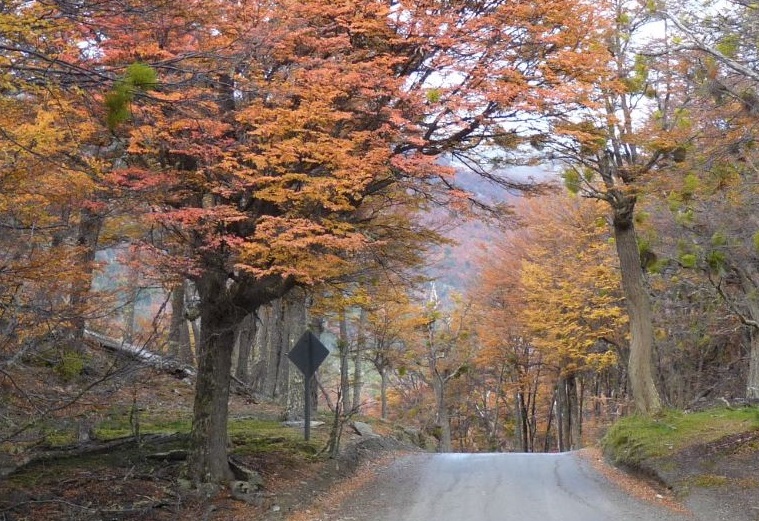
pixel 637 438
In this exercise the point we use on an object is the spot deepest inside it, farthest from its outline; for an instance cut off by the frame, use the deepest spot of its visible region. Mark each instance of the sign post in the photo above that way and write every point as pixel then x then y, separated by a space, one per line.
pixel 307 354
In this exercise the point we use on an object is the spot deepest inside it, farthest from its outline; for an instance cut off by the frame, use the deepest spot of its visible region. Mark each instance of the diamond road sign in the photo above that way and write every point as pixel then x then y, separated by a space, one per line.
pixel 308 354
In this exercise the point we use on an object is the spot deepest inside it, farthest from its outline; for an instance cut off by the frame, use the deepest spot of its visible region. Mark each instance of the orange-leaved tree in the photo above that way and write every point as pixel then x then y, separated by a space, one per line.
pixel 263 136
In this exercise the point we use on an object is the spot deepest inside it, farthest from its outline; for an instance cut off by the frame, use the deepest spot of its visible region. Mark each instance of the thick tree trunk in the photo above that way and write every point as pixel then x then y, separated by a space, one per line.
pixel 178 322
pixel 279 347
pixel 295 325
pixel 208 439
pixel 640 364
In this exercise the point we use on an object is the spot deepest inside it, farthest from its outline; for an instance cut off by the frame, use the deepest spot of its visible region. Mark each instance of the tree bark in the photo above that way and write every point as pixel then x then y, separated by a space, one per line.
pixel 640 364
pixel 208 438
pixel 523 436
pixel 224 303
pixel 295 325
pixel 88 236
pixel 177 322
pixel 752 382
pixel 246 338
pixel 344 348
pixel 383 393
pixel 443 419
pixel 750 290
pixel 563 417
pixel 357 366
pixel 575 413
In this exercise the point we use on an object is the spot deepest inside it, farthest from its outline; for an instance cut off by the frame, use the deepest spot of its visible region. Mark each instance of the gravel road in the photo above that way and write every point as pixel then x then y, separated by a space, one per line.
pixel 494 487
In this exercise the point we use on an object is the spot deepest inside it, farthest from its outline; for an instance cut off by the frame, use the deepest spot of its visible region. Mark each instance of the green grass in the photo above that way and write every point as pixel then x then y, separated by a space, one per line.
pixel 248 436
pixel 709 481
pixel 637 438
pixel 253 436
pixel 119 427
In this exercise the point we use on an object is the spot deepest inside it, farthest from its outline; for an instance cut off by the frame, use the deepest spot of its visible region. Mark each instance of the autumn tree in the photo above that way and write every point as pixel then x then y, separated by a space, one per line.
pixel 716 198
pixel 505 352
pixel 611 146
pixel 550 316
pixel 264 136
pixel 573 307
pixel 391 321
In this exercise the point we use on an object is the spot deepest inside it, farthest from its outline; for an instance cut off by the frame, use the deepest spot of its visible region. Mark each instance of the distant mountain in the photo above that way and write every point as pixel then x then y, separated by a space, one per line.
pixel 454 266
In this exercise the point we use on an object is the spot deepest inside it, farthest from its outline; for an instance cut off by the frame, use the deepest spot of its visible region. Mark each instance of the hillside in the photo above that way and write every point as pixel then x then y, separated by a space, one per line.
pixel 707 458
pixel 117 451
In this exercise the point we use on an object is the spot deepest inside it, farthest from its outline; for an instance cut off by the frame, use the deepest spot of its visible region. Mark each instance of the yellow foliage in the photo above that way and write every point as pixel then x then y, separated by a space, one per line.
pixel 573 307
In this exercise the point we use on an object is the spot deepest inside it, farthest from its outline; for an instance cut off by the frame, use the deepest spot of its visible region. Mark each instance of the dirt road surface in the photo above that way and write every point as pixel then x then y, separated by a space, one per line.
pixel 494 487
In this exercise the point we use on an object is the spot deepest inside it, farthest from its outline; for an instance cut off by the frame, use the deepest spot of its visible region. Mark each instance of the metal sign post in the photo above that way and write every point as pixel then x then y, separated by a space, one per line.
pixel 307 354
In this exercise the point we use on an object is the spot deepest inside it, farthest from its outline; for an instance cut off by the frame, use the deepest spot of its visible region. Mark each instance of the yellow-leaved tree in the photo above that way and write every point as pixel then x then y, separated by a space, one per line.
pixel 573 304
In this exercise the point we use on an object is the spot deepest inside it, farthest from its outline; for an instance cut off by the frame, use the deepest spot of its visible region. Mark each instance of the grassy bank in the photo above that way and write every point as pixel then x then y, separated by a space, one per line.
pixel 636 439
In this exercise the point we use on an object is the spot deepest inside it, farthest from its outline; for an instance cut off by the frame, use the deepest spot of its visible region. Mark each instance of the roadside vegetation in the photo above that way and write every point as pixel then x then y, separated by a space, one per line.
pixel 188 187
pixel 706 458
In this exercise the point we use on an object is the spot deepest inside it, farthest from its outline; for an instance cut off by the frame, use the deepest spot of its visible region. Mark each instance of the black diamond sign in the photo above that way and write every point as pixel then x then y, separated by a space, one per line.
pixel 308 354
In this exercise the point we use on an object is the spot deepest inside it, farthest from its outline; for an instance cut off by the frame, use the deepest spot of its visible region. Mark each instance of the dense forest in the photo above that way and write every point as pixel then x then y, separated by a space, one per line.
pixel 197 183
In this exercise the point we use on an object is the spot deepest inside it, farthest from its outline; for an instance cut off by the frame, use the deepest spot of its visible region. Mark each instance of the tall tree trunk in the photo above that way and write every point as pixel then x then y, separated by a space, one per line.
pixel 523 437
pixel 276 351
pixel 282 383
pixel 752 382
pixel 179 345
pixel 640 364
pixel 573 408
pixel 751 291
pixel 549 423
pixel 383 393
pixel 246 338
pixel 344 349
pixel 132 296
pixel 357 365
pixel 88 236
pixel 443 419
pixel 208 439
pixel 295 325
pixel 343 393
pixel 562 414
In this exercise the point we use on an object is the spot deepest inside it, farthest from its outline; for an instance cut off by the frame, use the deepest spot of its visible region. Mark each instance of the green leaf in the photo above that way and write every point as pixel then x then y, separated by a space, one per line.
pixel 434 95
pixel 716 260
pixel 571 180
pixel 141 76
pixel 728 45
pixel 719 239
pixel 138 76
pixel 690 185
pixel 688 260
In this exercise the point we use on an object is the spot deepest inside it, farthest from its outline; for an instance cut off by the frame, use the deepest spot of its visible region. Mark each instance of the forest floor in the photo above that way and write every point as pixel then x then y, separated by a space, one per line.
pixel 85 462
